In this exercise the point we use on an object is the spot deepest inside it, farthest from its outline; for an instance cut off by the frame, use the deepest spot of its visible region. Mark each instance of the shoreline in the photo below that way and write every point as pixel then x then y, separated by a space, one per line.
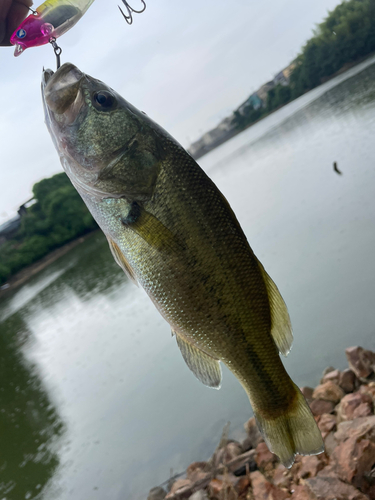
pixel 234 133
pixel 28 272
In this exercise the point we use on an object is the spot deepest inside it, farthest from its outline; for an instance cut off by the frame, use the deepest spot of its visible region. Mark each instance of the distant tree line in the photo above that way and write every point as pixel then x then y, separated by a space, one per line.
pixel 58 216
pixel 346 35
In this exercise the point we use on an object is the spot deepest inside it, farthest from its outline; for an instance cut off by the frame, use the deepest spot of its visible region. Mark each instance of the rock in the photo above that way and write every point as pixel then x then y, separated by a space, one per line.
pixel 282 477
pixel 329 391
pixel 361 428
pixel 348 381
pixel 228 478
pixel 215 487
pixel 243 485
pixel 349 404
pixel 253 435
pixel 310 466
pixel 247 444
pixel 331 488
pixel 196 471
pixel 221 490
pixel 330 443
pixel 199 495
pixel 319 406
pixel 264 490
pixel 230 451
pixel 361 361
pixel 327 370
pixel 302 492
pixel 264 458
pixel 363 410
pixel 327 423
pixel 333 376
pixel 157 493
pixel 307 392
pixel 353 459
pixel 368 390
pixel 179 483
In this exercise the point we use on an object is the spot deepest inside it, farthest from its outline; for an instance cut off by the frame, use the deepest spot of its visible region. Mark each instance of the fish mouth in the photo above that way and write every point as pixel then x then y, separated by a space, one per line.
pixel 62 93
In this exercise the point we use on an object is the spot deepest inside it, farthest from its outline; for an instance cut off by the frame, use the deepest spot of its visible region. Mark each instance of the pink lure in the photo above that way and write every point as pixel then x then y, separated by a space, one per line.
pixel 52 19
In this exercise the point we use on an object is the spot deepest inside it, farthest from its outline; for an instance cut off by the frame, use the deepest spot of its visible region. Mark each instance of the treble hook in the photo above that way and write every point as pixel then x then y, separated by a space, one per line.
pixel 129 18
pixel 57 50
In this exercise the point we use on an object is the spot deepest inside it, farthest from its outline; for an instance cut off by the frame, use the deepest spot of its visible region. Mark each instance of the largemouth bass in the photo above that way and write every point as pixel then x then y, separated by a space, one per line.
pixel 173 232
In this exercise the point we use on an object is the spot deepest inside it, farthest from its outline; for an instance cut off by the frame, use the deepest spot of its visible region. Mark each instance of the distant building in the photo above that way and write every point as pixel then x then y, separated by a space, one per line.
pixel 9 228
pixel 254 101
pixel 263 91
pixel 283 77
pixel 280 79
pixel 212 138
pixel 288 70
pixel 23 208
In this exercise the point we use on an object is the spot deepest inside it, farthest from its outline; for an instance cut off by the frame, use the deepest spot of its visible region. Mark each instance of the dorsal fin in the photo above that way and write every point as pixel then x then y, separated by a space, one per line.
pixel 206 368
pixel 281 328
pixel 121 260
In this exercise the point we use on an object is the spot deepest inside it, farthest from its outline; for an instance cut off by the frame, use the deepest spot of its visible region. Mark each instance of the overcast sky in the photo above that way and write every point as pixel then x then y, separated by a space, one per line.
pixel 187 64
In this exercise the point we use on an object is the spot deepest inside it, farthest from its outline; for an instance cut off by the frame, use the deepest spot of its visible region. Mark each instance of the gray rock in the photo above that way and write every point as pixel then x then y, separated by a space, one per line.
pixel 199 495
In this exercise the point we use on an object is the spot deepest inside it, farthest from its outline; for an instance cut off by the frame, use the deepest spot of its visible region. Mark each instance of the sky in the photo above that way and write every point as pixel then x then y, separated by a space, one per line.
pixel 187 64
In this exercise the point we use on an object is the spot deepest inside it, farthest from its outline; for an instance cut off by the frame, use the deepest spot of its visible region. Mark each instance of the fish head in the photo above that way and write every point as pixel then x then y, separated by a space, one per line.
pixel 33 31
pixel 107 147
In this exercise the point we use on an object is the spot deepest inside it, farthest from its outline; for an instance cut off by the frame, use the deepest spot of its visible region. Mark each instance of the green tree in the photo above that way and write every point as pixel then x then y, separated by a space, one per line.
pixel 58 216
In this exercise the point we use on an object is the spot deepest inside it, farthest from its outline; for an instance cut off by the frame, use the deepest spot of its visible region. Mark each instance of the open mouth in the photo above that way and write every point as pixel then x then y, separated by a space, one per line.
pixel 62 94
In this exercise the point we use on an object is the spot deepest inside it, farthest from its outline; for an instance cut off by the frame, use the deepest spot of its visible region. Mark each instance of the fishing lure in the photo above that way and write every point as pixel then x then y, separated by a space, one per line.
pixel 50 20
pixel 54 18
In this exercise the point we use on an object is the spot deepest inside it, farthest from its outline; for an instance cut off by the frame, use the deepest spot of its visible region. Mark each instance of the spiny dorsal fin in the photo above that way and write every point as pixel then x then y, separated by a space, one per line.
pixel 121 261
pixel 281 328
pixel 205 367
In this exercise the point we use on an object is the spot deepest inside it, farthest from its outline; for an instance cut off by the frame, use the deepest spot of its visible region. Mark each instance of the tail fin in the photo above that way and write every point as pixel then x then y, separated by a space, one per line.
pixel 292 433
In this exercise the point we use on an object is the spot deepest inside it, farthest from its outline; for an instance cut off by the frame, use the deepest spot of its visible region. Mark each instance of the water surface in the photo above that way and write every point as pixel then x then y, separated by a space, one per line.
pixel 95 399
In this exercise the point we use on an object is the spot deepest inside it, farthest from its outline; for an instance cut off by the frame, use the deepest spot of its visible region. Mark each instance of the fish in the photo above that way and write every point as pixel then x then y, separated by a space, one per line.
pixel 174 233
pixel 49 21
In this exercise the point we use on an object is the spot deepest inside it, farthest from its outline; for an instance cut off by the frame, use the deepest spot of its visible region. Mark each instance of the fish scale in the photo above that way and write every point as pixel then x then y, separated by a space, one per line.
pixel 173 232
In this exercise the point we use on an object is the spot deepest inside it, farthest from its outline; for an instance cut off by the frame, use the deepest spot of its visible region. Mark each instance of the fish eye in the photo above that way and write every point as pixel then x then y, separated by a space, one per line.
pixel 103 100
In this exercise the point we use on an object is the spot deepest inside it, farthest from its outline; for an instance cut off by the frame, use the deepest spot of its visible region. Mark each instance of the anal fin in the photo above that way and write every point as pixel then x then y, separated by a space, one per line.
pixel 281 328
pixel 206 368
pixel 121 261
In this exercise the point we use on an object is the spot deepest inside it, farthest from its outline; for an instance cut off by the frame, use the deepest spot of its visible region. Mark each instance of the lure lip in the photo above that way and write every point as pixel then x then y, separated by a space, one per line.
pixel 18 49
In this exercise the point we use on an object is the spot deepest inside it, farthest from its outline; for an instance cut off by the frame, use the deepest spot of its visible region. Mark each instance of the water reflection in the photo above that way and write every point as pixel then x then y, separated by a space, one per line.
pixel 29 422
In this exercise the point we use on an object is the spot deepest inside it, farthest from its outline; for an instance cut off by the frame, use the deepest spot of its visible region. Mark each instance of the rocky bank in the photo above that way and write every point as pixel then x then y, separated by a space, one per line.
pixel 343 406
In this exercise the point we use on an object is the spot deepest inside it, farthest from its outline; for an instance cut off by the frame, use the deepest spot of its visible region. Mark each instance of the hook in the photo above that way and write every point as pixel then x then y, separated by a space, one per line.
pixel 129 18
pixel 57 50
pixel 33 11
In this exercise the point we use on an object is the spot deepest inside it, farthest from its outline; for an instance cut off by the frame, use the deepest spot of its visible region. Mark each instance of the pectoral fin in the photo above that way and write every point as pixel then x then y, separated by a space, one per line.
pixel 121 261
pixel 281 328
pixel 150 229
pixel 205 367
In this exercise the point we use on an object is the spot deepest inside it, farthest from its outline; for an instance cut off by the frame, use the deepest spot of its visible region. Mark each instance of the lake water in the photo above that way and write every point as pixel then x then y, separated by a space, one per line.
pixel 95 399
